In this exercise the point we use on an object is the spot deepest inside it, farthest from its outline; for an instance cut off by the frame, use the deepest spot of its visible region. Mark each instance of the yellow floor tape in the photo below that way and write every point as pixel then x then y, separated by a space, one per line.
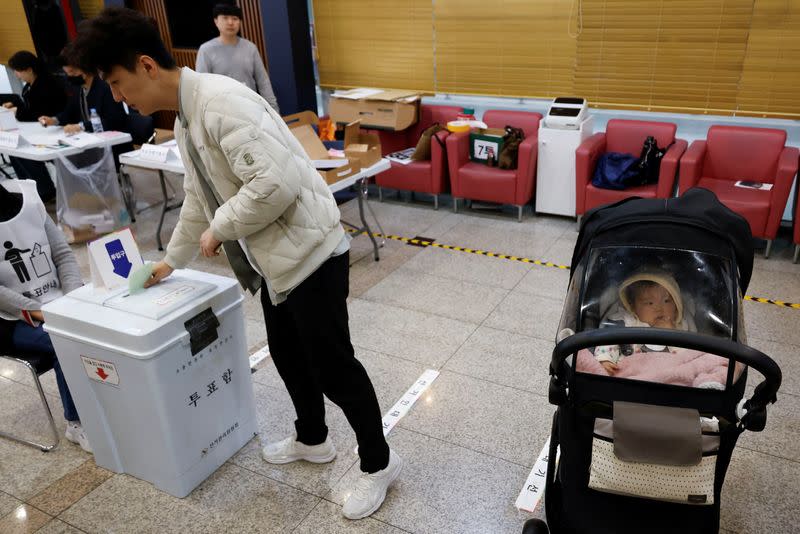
pixel 424 243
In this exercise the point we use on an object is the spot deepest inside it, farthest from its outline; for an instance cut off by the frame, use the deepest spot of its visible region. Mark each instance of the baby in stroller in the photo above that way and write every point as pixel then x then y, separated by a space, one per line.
pixel 648 298
pixel 651 297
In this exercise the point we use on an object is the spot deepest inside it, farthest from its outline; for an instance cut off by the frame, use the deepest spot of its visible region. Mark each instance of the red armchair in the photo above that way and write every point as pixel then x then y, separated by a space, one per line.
pixel 625 136
pixel 797 233
pixel 732 153
pixel 476 181
pixel 420 176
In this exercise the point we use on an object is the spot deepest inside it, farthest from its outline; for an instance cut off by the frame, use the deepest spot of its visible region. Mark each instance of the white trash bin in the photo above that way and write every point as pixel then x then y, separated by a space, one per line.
pixel 161 379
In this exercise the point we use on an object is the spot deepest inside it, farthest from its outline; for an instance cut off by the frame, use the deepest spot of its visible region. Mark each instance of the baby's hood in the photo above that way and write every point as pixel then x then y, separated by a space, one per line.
pixel 660 277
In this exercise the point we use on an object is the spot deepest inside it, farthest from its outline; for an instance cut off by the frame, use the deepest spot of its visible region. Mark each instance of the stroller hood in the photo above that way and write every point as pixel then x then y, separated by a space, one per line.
pixel 698 208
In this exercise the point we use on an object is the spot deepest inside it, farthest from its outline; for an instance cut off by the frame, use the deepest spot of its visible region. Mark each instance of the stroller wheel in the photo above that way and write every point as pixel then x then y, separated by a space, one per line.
pixel 535 526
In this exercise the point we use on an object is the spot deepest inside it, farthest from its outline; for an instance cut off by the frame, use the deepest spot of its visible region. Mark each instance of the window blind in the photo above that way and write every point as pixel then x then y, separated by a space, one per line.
pixel 506 47
pixel 668 55
pixel 771 71
pixel 375 43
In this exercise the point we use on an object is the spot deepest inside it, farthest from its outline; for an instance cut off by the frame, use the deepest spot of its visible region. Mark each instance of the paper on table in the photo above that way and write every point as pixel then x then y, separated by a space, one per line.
pixel 753 185
pixel 46 140
pixel 358 93
pixel 403 156
pixel 328 163
pixel 80 140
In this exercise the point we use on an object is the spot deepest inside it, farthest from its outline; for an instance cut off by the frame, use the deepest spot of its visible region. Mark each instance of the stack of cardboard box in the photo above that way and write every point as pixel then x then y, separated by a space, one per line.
pixel 393 109
pixel 361 149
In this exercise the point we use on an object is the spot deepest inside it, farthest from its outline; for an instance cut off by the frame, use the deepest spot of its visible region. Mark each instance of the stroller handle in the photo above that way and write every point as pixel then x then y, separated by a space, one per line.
pixel 764 394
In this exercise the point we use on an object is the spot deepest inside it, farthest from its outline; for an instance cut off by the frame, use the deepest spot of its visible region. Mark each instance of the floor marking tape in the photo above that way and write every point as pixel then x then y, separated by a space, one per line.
pixel 401 407
pixel 259 355
pixel 533 489
pixel 424 243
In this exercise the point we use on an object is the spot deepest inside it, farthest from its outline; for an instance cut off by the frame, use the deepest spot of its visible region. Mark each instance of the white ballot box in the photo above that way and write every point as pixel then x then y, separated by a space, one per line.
pixel 161 379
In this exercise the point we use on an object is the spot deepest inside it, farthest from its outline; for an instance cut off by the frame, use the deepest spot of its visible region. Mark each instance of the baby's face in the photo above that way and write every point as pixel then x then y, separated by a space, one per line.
pixel 654 305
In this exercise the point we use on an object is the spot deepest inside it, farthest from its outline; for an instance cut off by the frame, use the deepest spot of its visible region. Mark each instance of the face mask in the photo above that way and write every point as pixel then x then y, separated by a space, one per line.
pixel 76 80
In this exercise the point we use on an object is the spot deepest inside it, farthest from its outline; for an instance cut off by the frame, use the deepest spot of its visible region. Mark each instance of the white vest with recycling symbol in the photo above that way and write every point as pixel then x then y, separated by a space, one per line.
pixel 26 265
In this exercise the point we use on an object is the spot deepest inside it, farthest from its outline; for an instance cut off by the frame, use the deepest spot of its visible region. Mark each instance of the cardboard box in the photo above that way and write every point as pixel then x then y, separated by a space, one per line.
pixel 484 141
pixel 298 119
pixel 310 142
pixel 331 176
pixel 387 110
pixel 360 147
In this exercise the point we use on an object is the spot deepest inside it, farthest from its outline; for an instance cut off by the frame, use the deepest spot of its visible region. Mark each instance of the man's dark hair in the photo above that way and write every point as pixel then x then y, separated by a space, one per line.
pixel 117 37
pixel 69 57
pixel 24 60
pixel 227 9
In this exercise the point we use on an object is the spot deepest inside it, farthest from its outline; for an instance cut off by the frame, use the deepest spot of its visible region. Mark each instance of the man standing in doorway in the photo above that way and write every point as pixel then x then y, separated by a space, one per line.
pixel 233 56
pixel 251 189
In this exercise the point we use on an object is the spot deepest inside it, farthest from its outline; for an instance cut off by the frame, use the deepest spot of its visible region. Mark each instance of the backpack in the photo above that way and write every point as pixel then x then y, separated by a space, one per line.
pixel 423 150
pixel 616 170
pixel 510 154
pixel 619 171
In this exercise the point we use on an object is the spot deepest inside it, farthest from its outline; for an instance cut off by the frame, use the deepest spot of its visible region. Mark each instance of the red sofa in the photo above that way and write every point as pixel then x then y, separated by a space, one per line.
pixel 625 136
pixel 476 181
pixel 797 233
pixel 420 176
pixel 732 153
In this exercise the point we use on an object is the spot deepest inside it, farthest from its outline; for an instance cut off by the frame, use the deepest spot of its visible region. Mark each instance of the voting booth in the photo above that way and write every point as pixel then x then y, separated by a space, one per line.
pixel 161 378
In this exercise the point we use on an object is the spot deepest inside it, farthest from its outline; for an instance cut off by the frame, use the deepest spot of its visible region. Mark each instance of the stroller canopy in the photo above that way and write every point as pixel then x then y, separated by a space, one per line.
pixel 697 220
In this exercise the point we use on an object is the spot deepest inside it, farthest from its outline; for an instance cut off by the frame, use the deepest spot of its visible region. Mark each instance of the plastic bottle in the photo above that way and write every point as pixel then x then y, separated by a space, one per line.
pixel 94 118
pixel 467 114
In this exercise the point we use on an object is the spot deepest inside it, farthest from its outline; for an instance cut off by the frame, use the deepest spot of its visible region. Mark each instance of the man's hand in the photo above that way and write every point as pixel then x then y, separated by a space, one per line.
pixel 36 315
pixel 47 121
pixel 70 129
pixel 209 245
pixel 160 271
pixel 8 105
pixel 609 366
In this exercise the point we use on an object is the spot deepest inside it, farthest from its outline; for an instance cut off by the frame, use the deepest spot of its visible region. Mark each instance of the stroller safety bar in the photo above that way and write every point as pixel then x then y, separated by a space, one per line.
pixel 763 395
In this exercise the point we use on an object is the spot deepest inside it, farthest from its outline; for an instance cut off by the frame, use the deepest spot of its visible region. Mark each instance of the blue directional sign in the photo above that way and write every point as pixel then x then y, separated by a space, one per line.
pixel 119 259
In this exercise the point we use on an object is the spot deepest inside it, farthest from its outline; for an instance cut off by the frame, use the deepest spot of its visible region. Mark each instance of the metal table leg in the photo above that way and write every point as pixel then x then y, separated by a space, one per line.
pixel 364 228
pixel 361 201
pixel 165 207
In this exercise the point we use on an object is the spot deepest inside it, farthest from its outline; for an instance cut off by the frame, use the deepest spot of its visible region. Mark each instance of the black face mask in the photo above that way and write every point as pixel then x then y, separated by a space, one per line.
pixel 76 80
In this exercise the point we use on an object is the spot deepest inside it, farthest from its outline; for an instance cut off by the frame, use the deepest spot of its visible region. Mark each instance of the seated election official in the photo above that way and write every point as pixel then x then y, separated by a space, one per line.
pixel 36 266
pixel 89 92
pixel 42 94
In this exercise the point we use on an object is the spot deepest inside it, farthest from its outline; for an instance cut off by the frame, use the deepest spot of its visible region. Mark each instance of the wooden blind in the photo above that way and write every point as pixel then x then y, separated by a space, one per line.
pixel 505 47
pixel 14 29
pixel 667 55
pixel 90 8
pixel 375 43
pixel 770 82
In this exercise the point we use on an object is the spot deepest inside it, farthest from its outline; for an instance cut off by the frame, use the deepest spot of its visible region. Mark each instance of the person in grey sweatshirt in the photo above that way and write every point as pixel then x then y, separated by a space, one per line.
pixel 233 56
pixel 36 266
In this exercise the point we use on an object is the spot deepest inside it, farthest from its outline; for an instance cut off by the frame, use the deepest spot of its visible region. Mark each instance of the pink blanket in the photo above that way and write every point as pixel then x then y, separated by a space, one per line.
pixel 684 368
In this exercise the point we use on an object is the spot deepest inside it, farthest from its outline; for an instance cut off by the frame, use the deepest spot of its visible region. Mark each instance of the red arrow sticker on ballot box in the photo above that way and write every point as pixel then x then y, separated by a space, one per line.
pixel 101 371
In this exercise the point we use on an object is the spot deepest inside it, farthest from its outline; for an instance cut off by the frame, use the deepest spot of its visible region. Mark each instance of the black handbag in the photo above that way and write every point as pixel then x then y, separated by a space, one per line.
pixel 650 161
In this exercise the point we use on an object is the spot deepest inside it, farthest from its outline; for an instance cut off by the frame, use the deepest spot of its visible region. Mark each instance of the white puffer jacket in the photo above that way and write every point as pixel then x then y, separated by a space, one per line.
pixel 273 198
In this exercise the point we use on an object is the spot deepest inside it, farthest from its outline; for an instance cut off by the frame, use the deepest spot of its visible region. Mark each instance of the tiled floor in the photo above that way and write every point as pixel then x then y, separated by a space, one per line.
pixel 486 324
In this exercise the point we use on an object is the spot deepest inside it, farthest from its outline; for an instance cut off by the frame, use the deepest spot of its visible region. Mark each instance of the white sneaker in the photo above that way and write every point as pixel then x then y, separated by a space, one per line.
pixel 76 434
pixel 370 489
pixel 290 450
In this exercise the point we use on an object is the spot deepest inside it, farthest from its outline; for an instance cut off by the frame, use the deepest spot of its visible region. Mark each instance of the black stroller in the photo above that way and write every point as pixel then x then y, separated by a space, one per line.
pixel 650 400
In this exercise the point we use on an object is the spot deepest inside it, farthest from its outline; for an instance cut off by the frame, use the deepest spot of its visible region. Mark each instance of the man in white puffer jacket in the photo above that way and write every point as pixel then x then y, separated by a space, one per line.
pixel 251 189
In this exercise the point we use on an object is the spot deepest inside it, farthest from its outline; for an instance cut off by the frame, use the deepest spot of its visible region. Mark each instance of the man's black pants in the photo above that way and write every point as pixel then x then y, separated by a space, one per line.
pixel 309 340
